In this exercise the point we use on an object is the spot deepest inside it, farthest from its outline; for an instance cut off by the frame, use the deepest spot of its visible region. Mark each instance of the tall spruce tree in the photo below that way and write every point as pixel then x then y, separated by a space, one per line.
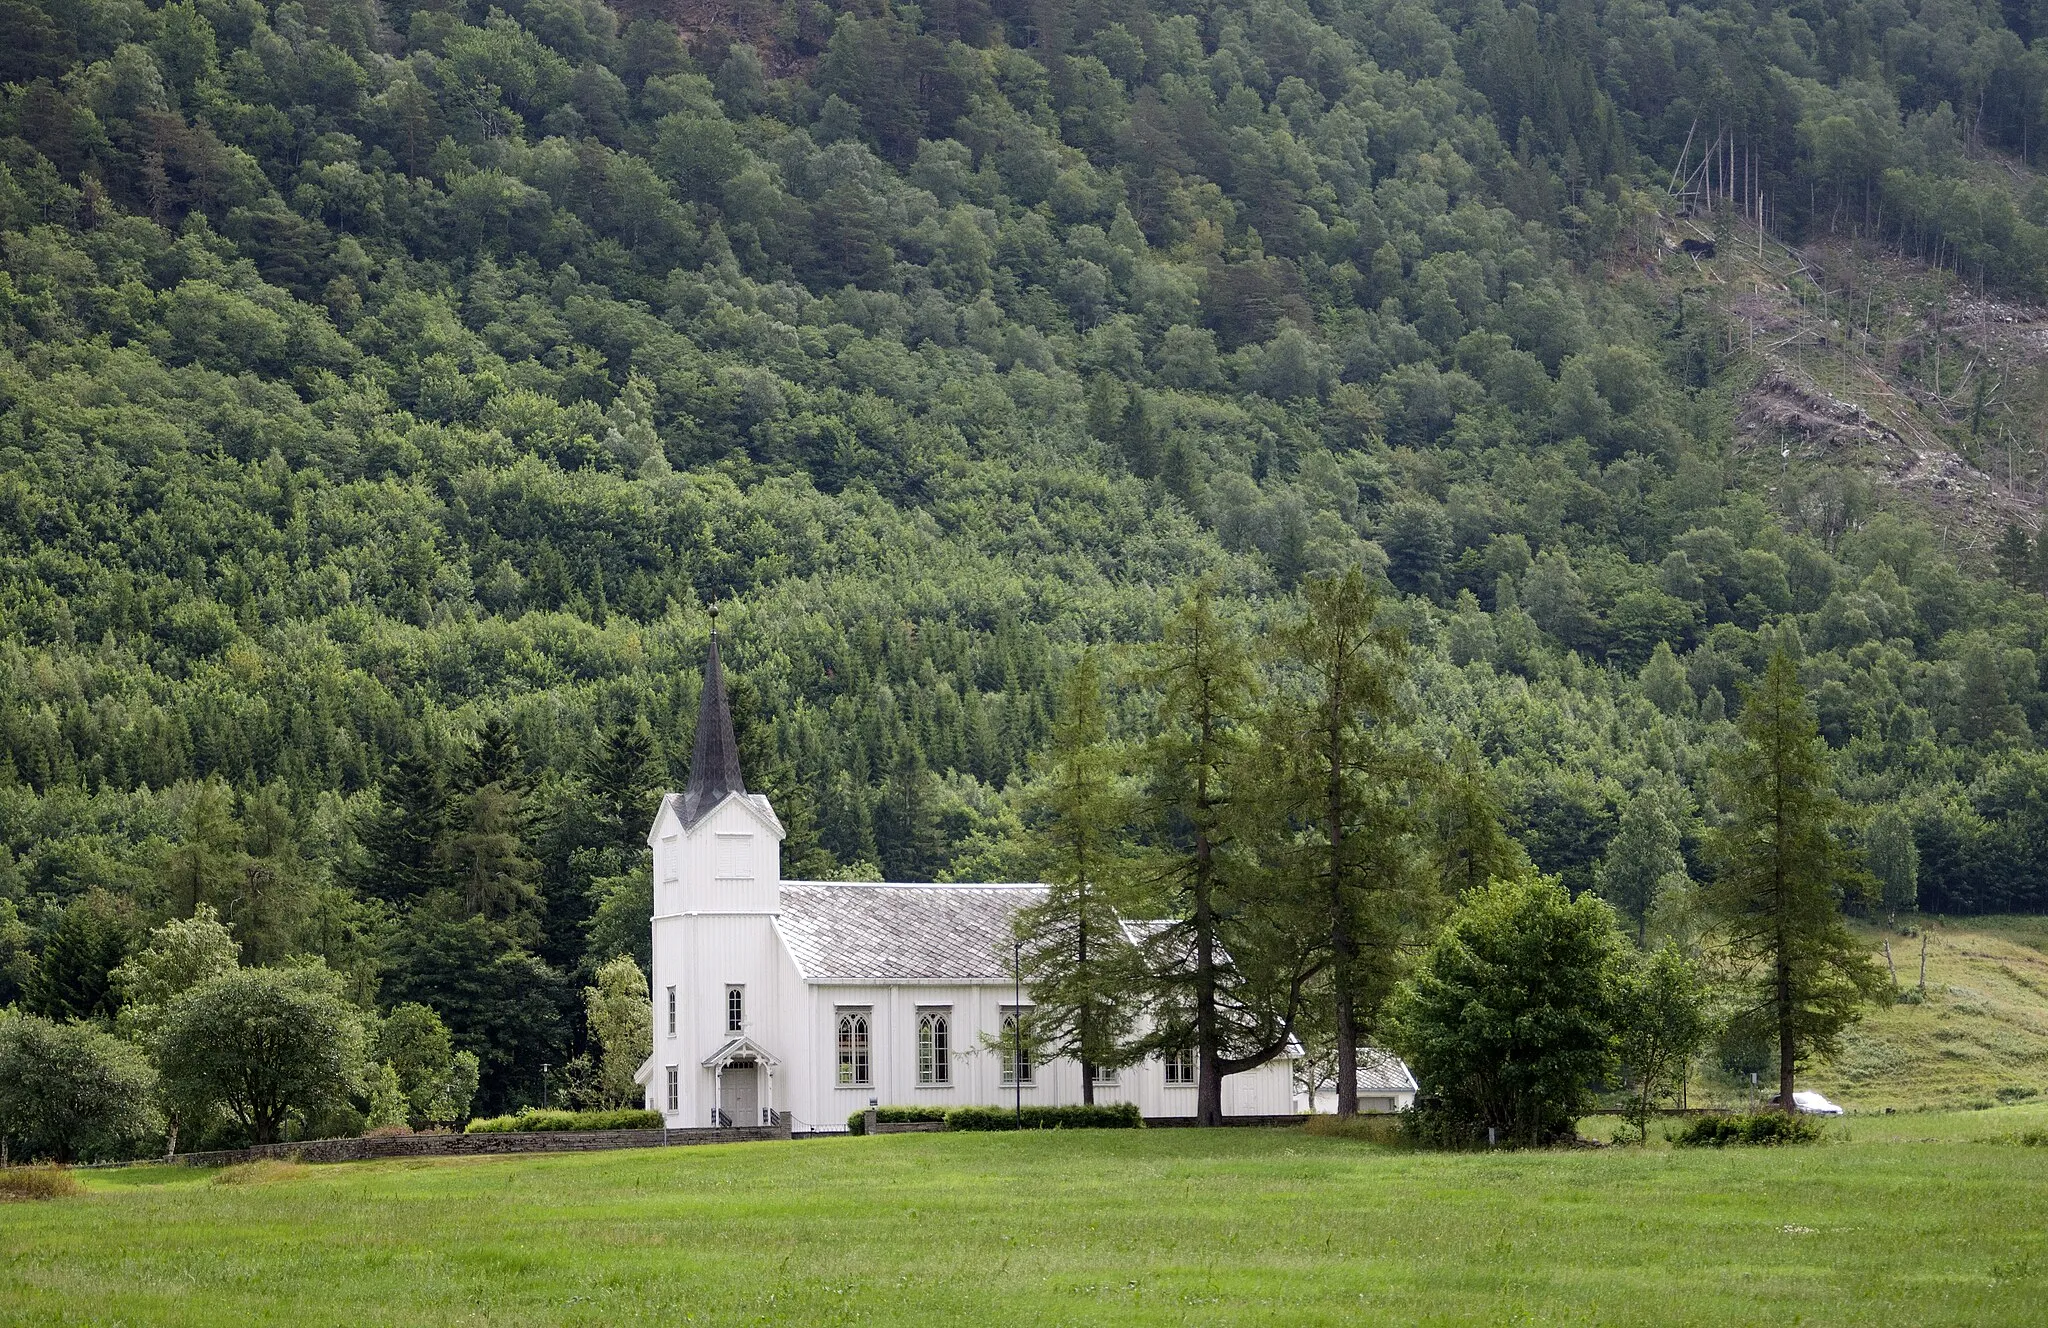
pixel 620 771
pixel 1344 780
pixel 1783 873
pixel 404 840
pixel 1073 944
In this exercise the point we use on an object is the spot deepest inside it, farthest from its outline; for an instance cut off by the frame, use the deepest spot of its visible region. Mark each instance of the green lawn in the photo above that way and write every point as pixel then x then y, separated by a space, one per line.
pixel 1911 1219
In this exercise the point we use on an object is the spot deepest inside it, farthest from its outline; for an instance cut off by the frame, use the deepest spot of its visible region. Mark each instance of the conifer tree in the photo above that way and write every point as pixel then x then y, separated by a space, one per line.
pixel 404 840
pixel 1072 941
pixel 1470 844
pixel 1214 984
pixel 619 769
pixel 907 824
pixel 1783 873
pixel 1343 778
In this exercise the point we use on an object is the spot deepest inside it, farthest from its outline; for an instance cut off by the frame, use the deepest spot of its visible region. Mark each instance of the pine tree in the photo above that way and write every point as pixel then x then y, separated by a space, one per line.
pixel 1471 846
pixel 1072 941
pixel 1783 874
pixel 1344 779
pixel 74 979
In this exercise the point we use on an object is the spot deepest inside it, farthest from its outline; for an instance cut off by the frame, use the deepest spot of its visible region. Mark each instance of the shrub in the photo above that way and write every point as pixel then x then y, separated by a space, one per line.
pixel 1509 1017
pixel 1766 1128
pixel 858 1121
pixel 1121 1116
pixel 37 1183
pixel 533 1120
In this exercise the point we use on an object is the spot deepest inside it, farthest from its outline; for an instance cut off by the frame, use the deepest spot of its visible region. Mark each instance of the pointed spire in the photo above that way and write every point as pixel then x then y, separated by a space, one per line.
pixel 715 759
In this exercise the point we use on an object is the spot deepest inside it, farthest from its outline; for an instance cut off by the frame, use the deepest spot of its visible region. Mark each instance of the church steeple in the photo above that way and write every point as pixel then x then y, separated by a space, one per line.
pixel 715 759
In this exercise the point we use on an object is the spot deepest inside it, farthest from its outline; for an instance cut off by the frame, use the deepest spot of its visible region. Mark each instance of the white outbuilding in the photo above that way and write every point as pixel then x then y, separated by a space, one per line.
pixel 806 1001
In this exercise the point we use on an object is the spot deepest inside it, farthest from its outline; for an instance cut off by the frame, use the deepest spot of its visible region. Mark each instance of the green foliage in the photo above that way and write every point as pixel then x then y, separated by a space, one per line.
pixel 1768 1128
pixel 75 977
pixel 1084 989
pixel 1784 871
pixel 436 1081
pixel 178 956
pixel 261 1045
pixel 619 1011
pixel 1111 1116
pixel 1662 1021
pixel 383 402
pixel 533 1119
pixel 71 1091
pixel 857 1123
pixel 1509 1019
pixel 1341 790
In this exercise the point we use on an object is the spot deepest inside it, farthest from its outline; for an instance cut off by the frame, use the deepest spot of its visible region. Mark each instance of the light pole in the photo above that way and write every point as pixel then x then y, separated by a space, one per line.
pixel 543 1085
pixel 1017 1022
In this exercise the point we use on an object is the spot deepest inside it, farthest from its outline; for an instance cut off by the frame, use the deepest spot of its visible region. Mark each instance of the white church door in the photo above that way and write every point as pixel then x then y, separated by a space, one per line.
pixel 739 1094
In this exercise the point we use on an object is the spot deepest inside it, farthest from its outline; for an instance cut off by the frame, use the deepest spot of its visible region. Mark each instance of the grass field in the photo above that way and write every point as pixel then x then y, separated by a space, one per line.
pixel 1922 1219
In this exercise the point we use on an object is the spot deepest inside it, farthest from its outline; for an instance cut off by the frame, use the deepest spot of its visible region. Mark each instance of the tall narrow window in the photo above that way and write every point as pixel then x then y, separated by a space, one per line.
pixel 854 1069
pixel 1016 1048
pixel 675 1095
pixel 671 1011
pixel 934 1047
pixel 735 1009
pixel 1180 1066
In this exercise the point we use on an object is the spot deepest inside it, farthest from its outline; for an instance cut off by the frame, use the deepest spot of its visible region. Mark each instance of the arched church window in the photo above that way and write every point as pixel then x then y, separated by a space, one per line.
pixel 934 1047
pixel 854 1065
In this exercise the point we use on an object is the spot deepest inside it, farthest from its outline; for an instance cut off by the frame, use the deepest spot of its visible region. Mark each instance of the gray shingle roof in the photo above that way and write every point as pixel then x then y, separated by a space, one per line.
pixel 1383 1072
pixel 842 931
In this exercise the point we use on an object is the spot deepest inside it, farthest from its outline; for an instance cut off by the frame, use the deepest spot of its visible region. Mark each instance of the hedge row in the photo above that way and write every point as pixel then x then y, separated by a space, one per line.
pixel 1766 1127
pixel 546 1121
pixel 1122 1116
pixel 858 1121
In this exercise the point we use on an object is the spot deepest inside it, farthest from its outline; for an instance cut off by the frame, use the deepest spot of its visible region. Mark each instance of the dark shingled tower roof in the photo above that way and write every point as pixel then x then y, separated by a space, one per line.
pixel 715 760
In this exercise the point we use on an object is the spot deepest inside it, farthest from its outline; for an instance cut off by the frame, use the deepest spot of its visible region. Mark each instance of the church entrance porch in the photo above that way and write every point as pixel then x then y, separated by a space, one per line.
pixel 743 1084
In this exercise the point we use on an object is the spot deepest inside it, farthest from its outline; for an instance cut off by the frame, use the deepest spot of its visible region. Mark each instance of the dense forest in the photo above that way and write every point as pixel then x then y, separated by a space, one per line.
pixel 389 395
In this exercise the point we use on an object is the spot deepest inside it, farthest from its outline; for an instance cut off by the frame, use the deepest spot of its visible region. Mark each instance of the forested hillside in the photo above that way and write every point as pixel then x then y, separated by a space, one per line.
pixel 389 392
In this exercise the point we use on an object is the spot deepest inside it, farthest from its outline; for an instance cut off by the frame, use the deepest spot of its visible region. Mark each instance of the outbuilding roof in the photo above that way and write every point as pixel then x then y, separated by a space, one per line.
pixel 1383 1072
pixel 851 932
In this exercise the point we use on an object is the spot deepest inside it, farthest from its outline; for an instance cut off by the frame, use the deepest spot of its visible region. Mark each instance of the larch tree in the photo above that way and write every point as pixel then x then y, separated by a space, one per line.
pixel 1216 984
pixel 1073 946
pixel 1345 784
pixel 1783 873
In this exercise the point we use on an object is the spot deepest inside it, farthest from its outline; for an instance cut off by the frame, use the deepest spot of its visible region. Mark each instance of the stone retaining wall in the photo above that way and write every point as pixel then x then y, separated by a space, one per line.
pixel 910 1127
pixel 469 1145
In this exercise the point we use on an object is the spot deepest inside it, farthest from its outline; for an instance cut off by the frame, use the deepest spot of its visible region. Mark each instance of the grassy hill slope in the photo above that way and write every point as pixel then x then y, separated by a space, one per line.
pixel 1979 1037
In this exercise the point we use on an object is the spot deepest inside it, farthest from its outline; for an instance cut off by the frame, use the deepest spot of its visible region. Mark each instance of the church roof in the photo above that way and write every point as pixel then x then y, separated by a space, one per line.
pixel 858 932
pixel 715 759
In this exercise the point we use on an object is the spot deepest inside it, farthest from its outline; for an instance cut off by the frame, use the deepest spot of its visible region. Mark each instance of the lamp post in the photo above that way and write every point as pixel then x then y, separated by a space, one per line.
pixel 1017 1022
pixel 543 1085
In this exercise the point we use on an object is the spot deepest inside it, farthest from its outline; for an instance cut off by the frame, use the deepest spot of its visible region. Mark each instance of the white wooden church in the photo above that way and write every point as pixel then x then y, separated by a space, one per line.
pixel 806 1001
